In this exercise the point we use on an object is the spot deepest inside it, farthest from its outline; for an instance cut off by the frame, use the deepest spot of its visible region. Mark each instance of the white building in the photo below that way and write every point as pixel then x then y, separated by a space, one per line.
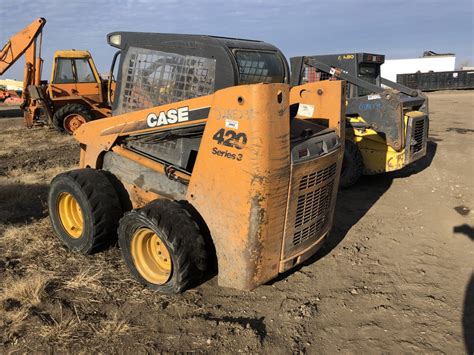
pixel 429 62
pixel 9 84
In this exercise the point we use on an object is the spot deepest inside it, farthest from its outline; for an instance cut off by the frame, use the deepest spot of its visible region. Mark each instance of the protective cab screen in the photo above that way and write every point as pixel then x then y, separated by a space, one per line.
pixel 310 75
pixel 152 78
pixel 259 67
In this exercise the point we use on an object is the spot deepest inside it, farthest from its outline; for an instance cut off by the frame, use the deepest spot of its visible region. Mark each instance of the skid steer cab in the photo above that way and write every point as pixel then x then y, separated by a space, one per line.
pixel 210 161
pixel 387 123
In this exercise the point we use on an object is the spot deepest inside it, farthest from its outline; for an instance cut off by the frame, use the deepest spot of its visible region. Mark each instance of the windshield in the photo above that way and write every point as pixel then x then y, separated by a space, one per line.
pixel 259 67
pixel 369 73
pixel 64 72
pixel 84 71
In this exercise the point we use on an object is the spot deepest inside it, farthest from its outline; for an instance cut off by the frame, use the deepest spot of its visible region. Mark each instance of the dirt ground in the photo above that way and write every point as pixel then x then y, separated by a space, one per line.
pixel 396 275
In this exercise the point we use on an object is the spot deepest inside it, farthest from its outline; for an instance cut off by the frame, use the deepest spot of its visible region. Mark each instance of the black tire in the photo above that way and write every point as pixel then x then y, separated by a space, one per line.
pixel 352 165
pixel 66 110
pixel 99 205
pixel 182 237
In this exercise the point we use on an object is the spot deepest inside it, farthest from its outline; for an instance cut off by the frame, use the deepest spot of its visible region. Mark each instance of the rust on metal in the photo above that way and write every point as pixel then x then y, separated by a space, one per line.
pixel 245 190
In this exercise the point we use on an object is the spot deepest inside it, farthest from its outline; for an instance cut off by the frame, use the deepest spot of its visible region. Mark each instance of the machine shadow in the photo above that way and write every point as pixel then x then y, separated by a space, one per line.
pixel 353 203
pixel 468 317
pixel 22 203
pixel 465 229
pixel 10 112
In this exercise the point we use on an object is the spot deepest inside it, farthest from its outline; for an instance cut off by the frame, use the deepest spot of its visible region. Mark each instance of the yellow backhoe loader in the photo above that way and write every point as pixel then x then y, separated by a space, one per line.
pixel 75 94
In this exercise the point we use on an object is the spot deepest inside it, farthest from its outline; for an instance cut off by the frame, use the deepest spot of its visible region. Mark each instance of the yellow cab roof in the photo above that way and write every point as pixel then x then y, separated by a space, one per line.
pixel 72 53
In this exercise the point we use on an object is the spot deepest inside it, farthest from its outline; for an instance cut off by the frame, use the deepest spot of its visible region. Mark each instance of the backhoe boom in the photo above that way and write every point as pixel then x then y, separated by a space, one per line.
pixel 18 44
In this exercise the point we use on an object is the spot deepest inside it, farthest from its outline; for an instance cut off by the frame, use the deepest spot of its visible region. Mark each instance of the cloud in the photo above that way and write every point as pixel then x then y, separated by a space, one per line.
pixel 395 28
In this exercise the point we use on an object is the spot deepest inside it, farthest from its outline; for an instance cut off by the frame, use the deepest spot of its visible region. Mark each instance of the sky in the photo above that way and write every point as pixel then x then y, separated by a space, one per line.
pixel 396 28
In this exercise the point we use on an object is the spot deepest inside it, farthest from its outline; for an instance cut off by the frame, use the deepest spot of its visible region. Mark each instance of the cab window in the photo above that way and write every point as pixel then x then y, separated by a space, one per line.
pixel 84 71
pixel 64 73
pixel 259 67
pixel 369 73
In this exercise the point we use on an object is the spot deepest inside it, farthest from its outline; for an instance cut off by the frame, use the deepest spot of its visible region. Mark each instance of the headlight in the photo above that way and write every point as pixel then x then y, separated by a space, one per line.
pixel 115 40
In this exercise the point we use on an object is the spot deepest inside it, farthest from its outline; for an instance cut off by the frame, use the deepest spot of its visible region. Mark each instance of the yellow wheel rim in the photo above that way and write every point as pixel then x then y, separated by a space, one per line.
pixel 151 256
pixel 70 215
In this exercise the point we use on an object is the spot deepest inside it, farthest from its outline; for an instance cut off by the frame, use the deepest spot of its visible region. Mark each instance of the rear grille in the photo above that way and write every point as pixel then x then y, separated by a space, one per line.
pixel 315 178
pixel 313 205
pixel 308 232
pixel 310 206
pixel 418 136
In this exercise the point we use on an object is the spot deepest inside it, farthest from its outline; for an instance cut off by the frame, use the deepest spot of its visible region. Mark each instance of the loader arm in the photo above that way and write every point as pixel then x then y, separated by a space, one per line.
pixel 341 74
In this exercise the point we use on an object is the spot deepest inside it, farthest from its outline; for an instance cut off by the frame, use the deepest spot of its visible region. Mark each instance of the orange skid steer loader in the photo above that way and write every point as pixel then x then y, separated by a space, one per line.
pixel 209 155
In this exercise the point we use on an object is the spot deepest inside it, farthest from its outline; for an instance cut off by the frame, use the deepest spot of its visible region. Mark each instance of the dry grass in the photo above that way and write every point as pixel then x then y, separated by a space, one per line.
pixel 49 295
pixel 114 328
pixel 29 241
pixel 60 329
pixel 18 296
pixel 36 140
pixel 23 196
pixel 85 279
pixel 28 291
pixel 14 324
pixel 34 176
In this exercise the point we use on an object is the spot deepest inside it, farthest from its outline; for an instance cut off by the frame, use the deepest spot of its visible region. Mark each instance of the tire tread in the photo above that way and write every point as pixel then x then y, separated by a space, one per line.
pixel 103 200
pixel 185 242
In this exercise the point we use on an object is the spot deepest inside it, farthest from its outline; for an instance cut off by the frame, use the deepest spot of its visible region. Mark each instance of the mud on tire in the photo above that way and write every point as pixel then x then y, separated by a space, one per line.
pixel 91 192
pixel 176 229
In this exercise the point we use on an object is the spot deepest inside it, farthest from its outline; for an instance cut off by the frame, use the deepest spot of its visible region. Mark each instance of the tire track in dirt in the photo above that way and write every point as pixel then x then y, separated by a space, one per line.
pixel 39 160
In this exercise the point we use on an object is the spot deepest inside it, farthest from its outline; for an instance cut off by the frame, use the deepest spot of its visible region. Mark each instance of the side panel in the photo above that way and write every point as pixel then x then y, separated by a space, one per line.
pixel 240 184
pixel 100 135
pixel 91 91
pixel 417 135
pixel 321 100
pixel 62 90
pixel 142 177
